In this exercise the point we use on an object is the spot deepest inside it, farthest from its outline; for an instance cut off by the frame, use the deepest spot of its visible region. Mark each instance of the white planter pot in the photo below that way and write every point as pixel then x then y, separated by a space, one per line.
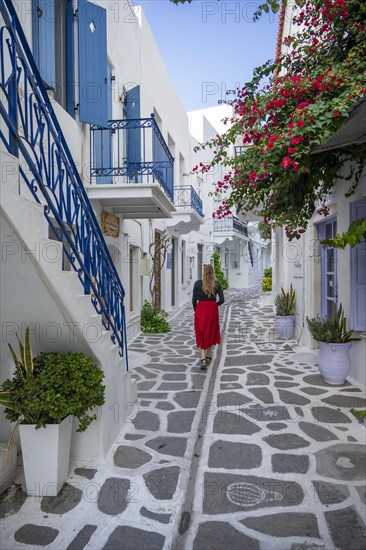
pixel 46 453
pixel 334 362
pixel 285 326
pixel 8 464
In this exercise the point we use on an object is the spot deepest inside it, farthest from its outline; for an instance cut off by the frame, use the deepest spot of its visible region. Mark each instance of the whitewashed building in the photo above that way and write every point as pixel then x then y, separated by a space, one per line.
pixel 324 277
pixel 95 151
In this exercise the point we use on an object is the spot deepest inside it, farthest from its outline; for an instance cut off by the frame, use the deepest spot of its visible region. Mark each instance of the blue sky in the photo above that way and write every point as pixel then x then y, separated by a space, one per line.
pixel 210 47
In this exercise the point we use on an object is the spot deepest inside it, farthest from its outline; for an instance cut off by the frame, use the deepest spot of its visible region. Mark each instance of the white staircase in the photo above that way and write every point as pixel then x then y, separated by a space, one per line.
pixel 36 292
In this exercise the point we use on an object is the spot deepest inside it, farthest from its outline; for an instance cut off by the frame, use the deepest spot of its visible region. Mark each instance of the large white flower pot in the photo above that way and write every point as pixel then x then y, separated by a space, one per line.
pixel 46 453
pixel 285 326
pixel 334 362
pixel 8 464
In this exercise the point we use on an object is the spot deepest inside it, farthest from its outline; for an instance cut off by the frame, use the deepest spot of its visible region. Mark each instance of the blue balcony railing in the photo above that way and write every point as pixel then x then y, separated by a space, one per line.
pixel 186 197
pixel 32 132
pixel 230 224
pixel 136 153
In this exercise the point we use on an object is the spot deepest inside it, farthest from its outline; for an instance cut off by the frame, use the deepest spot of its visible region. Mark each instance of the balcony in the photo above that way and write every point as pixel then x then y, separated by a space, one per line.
pixel 229 228
pixel 189 210
pixel 132 169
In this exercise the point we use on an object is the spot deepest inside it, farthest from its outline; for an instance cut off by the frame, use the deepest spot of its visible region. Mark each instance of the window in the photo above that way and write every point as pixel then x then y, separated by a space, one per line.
pixel 329 279
pixel 53 48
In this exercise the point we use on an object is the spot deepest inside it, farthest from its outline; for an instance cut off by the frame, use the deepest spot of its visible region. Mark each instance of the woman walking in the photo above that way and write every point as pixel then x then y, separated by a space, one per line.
pixel 206 313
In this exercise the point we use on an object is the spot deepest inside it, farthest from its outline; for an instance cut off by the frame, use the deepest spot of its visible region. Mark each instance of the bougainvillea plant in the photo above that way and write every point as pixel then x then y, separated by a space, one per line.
pixel 291 106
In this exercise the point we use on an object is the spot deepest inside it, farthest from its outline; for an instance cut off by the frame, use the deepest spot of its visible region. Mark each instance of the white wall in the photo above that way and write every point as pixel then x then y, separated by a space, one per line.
pixel 308 284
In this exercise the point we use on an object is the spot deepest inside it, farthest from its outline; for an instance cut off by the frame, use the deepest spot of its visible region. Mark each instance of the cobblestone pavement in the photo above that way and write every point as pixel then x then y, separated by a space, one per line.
pixel 256 453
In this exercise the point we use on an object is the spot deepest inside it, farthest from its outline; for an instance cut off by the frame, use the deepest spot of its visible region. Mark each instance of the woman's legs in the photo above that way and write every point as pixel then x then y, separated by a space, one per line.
pixel 209 352
pixel 202 353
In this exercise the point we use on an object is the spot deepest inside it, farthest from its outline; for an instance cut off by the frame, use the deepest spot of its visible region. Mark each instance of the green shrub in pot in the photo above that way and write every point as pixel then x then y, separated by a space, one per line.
pixel 48 388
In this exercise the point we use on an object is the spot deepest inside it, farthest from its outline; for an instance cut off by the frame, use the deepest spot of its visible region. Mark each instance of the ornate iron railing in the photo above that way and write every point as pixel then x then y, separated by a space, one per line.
pixel 230 224
pixel 149 161
pixel 33 134
pixel 186 197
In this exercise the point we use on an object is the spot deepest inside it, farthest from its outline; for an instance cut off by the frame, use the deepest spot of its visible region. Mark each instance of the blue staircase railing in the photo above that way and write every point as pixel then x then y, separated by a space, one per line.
pixel 33 134
pixel 185 196
pixel 139 154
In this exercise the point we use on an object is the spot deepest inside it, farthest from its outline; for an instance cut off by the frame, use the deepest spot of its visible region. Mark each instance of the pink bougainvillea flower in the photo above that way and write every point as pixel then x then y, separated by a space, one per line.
pixel 296 140
pixel 291 149
pixel 295 166
pixel 252 176
pixel 286 162
pixel 300 123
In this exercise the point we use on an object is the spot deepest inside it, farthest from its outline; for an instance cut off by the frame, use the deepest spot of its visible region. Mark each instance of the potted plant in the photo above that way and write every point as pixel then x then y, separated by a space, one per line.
pixel 153 320
pixel 43 397
pixel 285 313
pixel 334 341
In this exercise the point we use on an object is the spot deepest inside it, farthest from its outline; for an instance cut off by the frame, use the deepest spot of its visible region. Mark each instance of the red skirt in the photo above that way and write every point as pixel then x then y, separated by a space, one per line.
pixel 206 324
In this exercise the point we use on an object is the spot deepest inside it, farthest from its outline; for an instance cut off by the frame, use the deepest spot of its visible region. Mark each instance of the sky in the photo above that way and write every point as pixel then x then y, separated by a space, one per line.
pixel 210 47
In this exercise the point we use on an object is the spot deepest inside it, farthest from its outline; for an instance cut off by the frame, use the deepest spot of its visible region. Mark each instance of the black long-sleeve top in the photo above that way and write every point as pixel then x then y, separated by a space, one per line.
pixel 199 295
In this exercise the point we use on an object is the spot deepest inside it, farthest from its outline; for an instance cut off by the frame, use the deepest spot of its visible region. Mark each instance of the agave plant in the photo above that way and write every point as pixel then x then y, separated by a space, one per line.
pixel 331 331
pixel 285 302
pixel 24 368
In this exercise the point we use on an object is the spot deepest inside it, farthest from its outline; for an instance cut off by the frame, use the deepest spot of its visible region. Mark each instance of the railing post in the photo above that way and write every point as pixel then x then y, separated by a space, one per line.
pixel 12 98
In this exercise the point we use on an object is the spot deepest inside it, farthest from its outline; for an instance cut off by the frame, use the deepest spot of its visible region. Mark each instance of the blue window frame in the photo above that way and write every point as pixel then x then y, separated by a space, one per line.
pixel 358 273
pixel 329 275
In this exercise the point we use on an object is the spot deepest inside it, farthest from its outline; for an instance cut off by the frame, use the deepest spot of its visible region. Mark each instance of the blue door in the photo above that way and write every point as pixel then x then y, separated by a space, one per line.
pixel 133 134
pixel 358 273
pixel 102 142
pixel 329 281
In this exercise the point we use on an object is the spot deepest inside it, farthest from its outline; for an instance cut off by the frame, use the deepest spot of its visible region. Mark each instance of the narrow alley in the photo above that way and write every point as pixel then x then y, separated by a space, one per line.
pixel 256 453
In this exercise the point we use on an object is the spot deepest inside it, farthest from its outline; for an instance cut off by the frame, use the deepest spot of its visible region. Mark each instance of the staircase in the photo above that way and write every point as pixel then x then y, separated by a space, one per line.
pixel 58 275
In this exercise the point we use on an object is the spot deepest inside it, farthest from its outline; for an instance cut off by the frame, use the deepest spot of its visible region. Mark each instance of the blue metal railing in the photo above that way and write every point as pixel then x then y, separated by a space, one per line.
pixel 139 154
pixel 186 197
pixel 32 133
pixel 230 224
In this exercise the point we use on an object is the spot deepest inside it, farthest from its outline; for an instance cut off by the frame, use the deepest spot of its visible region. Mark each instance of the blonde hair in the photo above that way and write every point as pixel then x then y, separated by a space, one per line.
pixel 208 280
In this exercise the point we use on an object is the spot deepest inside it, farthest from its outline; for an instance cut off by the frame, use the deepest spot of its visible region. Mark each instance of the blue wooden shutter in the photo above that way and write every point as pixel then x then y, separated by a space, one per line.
pixel 93 96
pixel 44 40
pixel 358 273
pixel 133 146
pixel 70 62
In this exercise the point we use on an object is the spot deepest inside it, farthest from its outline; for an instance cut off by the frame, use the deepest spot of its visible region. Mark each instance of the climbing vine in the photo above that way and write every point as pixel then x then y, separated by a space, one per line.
pixel 280 173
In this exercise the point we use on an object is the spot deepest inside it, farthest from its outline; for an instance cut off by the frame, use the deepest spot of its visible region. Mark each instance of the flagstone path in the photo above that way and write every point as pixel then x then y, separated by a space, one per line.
pixel 256 453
